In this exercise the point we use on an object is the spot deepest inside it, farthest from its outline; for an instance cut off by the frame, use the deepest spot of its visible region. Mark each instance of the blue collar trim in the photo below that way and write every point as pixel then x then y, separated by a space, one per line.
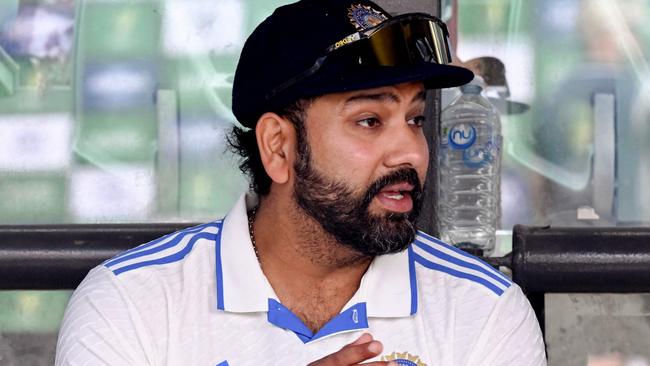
pixel 219 269
pixel 353 318
pixel 414 282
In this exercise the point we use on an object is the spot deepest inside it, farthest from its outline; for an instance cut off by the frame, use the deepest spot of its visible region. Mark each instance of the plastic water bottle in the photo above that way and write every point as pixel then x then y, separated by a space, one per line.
pixel 469 192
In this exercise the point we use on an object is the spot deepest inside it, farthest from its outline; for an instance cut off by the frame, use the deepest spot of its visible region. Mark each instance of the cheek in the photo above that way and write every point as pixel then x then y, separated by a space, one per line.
pixel 361 160
pixel 349 161
pixel 361 154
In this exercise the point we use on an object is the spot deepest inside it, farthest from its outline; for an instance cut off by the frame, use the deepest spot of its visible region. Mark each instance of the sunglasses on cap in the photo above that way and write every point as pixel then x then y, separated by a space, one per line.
pixel 404 40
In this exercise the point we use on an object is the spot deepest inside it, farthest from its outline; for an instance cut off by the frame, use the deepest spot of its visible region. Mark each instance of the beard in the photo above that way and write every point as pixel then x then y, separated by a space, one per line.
pixel 345 215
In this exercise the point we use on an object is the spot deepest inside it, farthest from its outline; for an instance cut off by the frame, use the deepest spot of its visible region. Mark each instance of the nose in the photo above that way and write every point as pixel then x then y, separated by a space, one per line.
pixel 406 147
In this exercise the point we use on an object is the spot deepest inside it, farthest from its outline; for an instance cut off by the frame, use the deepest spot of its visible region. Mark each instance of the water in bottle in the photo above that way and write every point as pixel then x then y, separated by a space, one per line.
pixel 469 197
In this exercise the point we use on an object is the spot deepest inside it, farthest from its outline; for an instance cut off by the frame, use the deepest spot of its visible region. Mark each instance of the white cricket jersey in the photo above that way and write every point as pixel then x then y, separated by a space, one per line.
pixel 199 297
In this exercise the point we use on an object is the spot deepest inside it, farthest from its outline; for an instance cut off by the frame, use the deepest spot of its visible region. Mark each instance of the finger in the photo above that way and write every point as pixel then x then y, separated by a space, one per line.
pixel 379 363
pixel 365 338
pixel 351 354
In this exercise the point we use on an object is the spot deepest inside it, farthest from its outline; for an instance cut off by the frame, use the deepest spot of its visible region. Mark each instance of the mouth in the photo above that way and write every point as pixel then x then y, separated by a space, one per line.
pixel 397 197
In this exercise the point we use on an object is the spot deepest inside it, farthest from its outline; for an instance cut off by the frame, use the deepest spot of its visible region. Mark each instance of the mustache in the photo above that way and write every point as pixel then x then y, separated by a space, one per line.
pixel 408 175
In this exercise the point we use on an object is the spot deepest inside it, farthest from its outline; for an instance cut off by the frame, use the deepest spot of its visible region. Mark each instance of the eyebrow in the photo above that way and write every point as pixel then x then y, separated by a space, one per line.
pixel 381 97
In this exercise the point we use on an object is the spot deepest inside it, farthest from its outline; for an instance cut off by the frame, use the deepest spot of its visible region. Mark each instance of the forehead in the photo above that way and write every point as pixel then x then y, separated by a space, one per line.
pixel 399 94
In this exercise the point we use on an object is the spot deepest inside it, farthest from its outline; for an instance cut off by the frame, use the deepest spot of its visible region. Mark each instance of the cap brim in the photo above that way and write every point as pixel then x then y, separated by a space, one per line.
pixel 333 79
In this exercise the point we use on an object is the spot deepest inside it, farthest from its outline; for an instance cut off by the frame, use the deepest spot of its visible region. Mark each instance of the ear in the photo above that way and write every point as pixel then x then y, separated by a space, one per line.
pixel 276 141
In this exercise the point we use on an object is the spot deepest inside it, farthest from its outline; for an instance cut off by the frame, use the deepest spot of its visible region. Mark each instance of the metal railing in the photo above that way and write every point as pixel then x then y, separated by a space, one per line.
pixel 543 260
pixel 51 257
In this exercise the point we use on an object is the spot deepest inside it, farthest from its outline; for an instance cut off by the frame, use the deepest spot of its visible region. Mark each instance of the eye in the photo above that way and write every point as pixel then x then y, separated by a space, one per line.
pixel 417 121
pixel 369 122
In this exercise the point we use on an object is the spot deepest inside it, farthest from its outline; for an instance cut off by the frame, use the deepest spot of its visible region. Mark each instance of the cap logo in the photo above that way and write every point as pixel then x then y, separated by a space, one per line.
pixel 363 17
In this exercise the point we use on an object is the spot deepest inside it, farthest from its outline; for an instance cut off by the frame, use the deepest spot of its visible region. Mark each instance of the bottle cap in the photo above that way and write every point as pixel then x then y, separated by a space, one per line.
pixel 478 80
pixel 475 86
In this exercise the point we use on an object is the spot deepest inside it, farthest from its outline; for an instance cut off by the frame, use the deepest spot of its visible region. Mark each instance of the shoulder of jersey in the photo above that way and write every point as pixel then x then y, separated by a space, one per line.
pixel 168 249
pixel 439 256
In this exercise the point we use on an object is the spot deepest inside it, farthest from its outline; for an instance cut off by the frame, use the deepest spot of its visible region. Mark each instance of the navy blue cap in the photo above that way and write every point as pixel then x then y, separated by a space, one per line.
pixel 290 41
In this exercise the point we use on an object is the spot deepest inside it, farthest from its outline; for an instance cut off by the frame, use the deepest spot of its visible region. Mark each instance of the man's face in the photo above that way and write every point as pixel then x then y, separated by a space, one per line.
pixel 360 172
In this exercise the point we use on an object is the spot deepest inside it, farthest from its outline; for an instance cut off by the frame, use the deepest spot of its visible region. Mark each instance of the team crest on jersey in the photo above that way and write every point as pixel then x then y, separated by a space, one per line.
pixel 404 359
pixel 363 17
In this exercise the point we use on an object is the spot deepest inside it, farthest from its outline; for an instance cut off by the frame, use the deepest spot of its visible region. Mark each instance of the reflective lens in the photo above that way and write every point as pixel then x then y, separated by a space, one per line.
pixel 404 40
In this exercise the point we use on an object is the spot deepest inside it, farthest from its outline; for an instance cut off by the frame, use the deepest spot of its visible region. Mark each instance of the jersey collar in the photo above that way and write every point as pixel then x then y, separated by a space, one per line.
pixel 388 288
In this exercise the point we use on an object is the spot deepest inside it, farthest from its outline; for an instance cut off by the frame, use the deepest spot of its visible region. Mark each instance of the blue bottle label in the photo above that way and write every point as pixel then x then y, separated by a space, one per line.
pixel 482 154
pixel 462 136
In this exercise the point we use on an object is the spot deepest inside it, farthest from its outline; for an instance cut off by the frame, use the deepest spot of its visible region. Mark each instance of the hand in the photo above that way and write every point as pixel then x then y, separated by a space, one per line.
pixel 358 351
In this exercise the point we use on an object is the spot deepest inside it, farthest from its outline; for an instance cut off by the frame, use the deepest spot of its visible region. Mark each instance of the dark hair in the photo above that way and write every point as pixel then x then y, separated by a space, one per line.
pixel 243 142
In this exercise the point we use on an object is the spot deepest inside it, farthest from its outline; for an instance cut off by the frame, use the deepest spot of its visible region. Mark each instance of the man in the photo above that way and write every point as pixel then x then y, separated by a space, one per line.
pixel 321 264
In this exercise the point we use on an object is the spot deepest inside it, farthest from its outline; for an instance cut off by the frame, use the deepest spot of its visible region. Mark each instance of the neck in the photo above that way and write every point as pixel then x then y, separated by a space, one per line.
pixel 312 274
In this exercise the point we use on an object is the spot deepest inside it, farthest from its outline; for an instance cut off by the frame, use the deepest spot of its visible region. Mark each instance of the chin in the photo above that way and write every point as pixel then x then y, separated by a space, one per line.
pixel 391 234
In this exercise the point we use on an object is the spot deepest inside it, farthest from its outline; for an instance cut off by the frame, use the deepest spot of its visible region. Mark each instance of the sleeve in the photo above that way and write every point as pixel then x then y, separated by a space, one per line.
pixel 511 336
pixel 101 326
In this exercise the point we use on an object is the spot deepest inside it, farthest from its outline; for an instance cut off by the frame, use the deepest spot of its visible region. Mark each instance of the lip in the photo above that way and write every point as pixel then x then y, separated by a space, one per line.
pixel 401 205
pixel 398 187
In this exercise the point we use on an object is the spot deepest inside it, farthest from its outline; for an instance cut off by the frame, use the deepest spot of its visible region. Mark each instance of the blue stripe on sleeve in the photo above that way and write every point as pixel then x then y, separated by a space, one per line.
pixel 462 263
pixel 462 253
pixel 169 259
pixel 456 273
pixel 181 235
